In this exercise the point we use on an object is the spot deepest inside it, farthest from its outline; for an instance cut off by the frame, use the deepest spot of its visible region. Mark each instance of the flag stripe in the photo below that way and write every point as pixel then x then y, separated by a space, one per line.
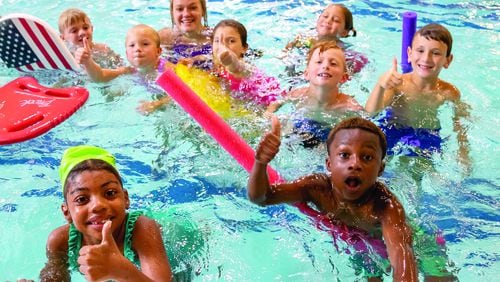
pixel 29 40
pixel 53 46
pixel 37 37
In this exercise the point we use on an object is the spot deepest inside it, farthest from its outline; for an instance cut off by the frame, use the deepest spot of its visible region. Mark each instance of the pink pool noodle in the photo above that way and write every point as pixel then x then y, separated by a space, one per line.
pixel 211 122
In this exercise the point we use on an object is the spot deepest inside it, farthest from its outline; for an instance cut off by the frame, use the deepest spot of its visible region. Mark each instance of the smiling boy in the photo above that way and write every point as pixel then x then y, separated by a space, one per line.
pixel 414 98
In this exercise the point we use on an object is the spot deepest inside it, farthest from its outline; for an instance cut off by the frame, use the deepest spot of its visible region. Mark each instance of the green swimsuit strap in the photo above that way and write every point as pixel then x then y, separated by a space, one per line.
pixel 75 241
pixel 128 252
pixel 74 245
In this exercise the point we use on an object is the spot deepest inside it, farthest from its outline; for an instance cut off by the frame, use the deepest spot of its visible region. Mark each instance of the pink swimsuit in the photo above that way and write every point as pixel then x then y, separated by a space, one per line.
pixel 257 87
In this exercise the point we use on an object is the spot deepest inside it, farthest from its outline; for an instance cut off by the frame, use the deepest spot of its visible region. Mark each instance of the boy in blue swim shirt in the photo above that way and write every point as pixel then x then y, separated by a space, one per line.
pixel 413 99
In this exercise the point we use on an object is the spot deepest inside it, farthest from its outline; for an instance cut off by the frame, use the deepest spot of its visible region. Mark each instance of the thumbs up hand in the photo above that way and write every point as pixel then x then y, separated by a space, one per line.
pixel 392 78
pixel 270 143
pixel 83 54
pixel 97 262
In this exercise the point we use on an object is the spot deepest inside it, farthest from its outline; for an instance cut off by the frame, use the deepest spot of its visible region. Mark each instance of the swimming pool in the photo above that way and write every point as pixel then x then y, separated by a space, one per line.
pixel 167 162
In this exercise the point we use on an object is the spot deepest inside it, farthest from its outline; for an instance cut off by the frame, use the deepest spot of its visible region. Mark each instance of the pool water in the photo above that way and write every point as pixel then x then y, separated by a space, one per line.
pixel 169 163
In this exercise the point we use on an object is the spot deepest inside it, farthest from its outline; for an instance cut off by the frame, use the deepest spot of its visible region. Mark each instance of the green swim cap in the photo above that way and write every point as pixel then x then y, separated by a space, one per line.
pixel 77 154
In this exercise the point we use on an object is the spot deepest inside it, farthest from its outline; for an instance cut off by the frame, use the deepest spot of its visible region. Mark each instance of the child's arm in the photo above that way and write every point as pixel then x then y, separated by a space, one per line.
pixel 56 268
pixel 147 107
pixel 461 112
pixel 258 182
pixel 382 93
pixel 398 239
pixel 232 63
pixel 148 244
pixel 105 261
pixel 95 72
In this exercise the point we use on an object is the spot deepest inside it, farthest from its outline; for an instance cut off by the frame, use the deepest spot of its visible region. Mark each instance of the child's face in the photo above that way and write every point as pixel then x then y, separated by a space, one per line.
pixel 355 162
pixel 187 15
pixel 92 198
pixel 428 56
pixel 326 68
pixel 331 23
pixel 141 49
pixel 226 37
pixel 75 33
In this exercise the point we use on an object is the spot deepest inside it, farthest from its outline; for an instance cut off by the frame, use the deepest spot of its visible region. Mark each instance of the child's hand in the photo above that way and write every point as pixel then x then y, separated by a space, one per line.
pixel 392 77
pixel 98 262
pixel 270 143
pixel 226 57
pixel 147 107
pixel 189 62
pixel 83 54
pixel 127 70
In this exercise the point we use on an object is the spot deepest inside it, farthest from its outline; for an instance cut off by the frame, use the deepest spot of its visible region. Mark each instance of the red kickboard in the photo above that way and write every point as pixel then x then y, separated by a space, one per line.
pixel 28 109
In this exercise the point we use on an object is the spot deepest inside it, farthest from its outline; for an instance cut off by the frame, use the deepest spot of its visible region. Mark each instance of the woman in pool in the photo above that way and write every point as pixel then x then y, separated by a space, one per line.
pixel 101 239
pixel 188 37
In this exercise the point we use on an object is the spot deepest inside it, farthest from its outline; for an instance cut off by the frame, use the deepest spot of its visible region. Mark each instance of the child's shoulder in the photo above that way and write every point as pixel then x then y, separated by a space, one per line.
pixel 383 198
pixel 144 224
pixel 298 93
pixel 449 90
pixel 58 239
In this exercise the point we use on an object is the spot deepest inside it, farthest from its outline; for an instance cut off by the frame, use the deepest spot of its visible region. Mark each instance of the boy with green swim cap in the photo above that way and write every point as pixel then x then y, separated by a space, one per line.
pixel 97 240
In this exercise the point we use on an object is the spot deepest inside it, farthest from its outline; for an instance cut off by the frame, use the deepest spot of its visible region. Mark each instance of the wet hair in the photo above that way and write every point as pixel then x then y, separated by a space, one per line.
pixel 70 17
pixel 437 32
pixel 322 46
pixel 92 165
pixel 203 4
pixel 242 31
pixel 156 36
pixel 349 22
pixel 358 123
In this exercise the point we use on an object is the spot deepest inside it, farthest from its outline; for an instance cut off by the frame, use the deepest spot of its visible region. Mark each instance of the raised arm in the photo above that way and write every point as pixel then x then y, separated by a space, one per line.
pixel 398 239
pixel 258 182
pixel 232 63
pixel 384 89
pixel 83 56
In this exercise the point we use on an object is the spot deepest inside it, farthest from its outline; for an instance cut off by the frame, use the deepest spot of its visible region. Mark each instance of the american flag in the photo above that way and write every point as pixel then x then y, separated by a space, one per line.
pixel 28 44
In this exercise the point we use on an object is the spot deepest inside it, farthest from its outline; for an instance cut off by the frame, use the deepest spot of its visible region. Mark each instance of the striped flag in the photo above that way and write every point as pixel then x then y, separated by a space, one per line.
pixel 28 44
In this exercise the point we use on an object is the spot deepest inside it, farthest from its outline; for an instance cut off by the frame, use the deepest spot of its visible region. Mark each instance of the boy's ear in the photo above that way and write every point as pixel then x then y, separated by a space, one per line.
pixel 382 167
pixel 408 52
pixel 66 213
pixel 328 164
pixel 448 61
pixel 345 77
pixel 306 74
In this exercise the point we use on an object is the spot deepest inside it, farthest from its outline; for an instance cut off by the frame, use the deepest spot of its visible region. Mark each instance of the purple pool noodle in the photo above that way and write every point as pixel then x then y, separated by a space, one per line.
pixel 409 28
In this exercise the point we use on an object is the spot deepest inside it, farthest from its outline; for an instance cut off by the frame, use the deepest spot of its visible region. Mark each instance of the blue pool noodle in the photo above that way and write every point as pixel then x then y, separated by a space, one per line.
pixel 409 28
